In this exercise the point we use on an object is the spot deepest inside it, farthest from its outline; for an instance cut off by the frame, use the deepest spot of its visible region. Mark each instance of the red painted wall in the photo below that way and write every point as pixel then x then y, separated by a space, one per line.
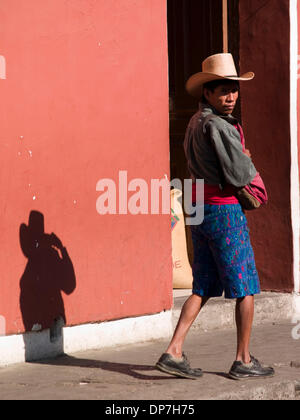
pixel 86 95
pixel 264 49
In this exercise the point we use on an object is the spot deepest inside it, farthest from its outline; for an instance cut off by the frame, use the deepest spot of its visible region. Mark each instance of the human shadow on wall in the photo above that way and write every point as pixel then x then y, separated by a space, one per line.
pixel 48 272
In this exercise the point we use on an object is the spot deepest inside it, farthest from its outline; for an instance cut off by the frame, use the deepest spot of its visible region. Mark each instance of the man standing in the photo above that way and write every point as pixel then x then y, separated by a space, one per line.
pixel 223 255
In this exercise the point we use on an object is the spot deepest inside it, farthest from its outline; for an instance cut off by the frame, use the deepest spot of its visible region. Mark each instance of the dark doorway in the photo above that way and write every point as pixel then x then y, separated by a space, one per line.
pixel 195 31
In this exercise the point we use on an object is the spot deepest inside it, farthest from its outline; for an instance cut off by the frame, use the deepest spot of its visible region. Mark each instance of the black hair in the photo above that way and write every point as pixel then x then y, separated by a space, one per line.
pixel 211 86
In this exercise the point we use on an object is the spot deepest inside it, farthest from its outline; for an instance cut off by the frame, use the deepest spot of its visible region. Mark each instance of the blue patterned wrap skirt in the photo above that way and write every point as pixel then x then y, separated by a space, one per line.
pixel 223 255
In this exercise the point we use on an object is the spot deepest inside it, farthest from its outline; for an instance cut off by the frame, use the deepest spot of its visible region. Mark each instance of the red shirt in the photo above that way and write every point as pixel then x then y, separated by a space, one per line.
pixel 214 195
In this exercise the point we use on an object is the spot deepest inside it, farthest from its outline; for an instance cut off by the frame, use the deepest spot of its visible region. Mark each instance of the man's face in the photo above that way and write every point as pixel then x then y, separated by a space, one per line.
pixel 223 98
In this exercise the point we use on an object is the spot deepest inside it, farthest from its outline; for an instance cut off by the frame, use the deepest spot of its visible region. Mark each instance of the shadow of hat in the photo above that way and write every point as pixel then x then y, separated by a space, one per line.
pixel 29 235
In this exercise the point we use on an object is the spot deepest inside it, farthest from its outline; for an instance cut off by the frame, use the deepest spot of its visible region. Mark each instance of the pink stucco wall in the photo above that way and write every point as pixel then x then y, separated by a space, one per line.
pixel 85 96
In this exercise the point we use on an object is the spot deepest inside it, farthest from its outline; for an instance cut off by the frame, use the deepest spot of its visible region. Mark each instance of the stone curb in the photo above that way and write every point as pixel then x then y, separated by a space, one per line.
pixel 220 313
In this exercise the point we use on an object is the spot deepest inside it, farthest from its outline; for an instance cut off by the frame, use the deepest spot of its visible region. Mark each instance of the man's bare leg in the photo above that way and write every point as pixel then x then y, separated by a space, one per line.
pixel 244 319
pixel 189 313
pixel 242 368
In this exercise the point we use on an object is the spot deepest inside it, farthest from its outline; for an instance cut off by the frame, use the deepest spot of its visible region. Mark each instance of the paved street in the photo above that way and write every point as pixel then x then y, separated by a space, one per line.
pixel 127 373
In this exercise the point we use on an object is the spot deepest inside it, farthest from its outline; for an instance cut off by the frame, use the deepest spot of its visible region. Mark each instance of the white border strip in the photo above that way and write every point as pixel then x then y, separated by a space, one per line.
pixel 38 345
pixel 294 142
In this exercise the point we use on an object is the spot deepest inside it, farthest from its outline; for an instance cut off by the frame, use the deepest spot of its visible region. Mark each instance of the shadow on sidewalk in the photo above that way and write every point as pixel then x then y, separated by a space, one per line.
pixel 123 368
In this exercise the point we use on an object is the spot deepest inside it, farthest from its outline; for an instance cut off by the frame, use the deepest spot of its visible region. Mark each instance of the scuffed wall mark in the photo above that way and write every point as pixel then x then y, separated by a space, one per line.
pixel 36 327
pixel 262 6
pixel 2 67
pixel 56 330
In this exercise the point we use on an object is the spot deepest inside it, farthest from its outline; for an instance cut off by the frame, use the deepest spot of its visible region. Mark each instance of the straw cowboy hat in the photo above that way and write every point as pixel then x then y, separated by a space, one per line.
pixel 215 67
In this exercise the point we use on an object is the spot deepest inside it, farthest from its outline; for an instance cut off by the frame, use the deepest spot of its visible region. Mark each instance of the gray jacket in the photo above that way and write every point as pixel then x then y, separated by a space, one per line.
pixel 214 151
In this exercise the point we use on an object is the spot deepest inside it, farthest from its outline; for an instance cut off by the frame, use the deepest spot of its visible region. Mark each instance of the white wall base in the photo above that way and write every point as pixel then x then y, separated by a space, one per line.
pixel 296 307
pixel 37 345
pixel 296 317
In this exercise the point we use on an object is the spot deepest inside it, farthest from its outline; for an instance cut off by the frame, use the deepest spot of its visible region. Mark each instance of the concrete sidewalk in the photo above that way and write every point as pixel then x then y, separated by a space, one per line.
pixel 128 373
